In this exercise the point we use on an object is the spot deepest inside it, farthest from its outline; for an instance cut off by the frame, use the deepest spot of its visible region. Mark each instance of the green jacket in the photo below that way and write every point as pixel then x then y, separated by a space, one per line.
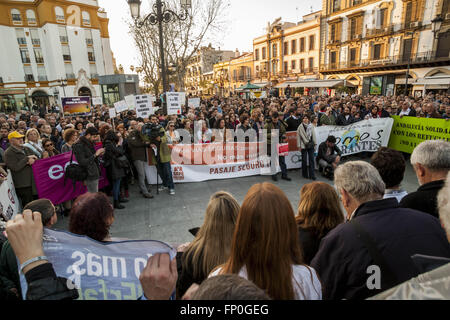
pixel 165 153
pixel 269 127
pixel 327 120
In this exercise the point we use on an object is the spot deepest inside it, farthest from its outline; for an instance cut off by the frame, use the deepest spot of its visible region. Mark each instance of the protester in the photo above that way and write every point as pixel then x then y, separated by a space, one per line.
pixel 162 156
pixel 70 138
pixel 431 163
pixel 211 246
pixel 92 215
pixel 329 156
pixel 391 166
pixel 87 157
pixel 307 142
pixel 275 129
pixel 33 142
pixel 19 160
pixel 265 247
pixel 378 233
pixel 49 149
pixel 8 260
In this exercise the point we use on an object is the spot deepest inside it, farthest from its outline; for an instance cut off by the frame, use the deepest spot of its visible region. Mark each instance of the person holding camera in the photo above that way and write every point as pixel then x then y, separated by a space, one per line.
pixel 329 156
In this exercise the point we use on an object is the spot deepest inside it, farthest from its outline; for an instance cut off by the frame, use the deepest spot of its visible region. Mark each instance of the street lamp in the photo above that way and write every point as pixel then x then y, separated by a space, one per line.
pixel 63 85
pixel 436 25
pixel 159 15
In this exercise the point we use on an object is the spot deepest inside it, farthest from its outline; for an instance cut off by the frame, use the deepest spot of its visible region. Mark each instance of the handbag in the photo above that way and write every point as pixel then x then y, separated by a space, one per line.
pixel 309 144
pixel 75 172
pixel 122 162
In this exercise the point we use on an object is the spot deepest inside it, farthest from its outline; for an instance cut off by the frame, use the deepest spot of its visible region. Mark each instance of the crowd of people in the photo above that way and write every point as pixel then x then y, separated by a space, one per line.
pixel 323 251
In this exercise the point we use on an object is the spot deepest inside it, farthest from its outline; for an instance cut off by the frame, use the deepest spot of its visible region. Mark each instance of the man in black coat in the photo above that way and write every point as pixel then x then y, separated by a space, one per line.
pixel 372 252
pixel 294 119
pixel 431 162
pixel 345 118
pixel 87 157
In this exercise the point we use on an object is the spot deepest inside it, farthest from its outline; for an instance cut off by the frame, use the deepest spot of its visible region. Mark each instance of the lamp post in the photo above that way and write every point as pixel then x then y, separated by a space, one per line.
pixel 159 15
pixel 63 85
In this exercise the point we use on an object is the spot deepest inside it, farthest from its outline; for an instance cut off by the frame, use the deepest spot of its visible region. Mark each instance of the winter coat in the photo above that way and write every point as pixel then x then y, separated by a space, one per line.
pixel 17 161
pixel 425 198
pixel 137 146
pixel 84 152
pixel 112 153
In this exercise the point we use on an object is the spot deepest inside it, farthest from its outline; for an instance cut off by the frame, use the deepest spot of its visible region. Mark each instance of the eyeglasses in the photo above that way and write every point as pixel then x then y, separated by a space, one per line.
pixel 49 145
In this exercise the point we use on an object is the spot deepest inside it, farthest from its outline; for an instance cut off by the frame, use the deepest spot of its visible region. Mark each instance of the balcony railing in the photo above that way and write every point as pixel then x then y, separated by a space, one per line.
pixel 39 60
pixel 42 78
pixel 36 42
pixel 64 39
pixel 67 57
pixel 26 60
pixel 421 57
pixel 70 76
pixel 22 40
pixel 29 78
pixel 89 41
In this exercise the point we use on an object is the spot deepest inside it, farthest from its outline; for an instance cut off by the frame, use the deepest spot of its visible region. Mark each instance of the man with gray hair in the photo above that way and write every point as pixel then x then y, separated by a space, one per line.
pixel 431 162
pixel 372 251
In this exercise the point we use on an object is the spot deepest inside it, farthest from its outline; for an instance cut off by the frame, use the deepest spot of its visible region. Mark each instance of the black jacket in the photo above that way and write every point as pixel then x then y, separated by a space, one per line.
pixel 112 153
pixel 322 153
pixel 425 198
pixel 342 121
pixel 309 242
pixel 343 259
pixel 84 152
pixel 293 123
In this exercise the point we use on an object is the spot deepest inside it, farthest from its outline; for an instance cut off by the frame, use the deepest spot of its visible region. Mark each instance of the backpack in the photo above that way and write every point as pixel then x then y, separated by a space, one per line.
pixel 75 172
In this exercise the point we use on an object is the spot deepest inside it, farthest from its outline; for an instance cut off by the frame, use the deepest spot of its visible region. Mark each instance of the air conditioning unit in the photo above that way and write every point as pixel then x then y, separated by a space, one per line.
pixel 416 24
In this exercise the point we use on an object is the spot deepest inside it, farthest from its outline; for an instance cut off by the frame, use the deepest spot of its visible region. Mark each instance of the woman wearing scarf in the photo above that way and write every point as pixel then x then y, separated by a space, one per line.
pixel 33 142
pixel 307 142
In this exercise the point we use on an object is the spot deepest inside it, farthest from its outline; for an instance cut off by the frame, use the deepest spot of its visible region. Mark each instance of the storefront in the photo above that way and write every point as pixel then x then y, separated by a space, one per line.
pixel 13 100
pixel 379 85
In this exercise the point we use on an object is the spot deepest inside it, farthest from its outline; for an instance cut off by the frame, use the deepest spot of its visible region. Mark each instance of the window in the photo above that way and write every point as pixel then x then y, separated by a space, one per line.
pixel 356 2
pixel 25 55
pixel 28 74
pixel 377 51
pixel 311 42
pixel 352 56
pixel 285 67
pixel 59 14
pixel 16 16
pixel 274 50
pixel 264 53
pixel 333 33
pixel 31 17
pixel 294 46
pixel 66 53
pixel 383 18
pixel 311 64
pixel 63 35
pixel 302 65
pixel 408 12
pixel 93 70
pixel 69 71
pixel 86 18
pixel 257 54
pixel 21 37
pixel 42 75
pixel 352 28
pixel 286 48
pixel 89 40
pixel 38 55
pixel 293 64
pixel 336 5
pixel 333 58
pixel 302 44
pixel 35 37
pixel 235 75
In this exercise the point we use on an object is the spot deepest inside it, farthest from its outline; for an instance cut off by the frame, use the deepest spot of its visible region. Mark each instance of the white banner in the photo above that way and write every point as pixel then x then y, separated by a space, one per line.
pixel 363 136
pixel 112 113
pixel 174 102
pixel 97 101
pixel 194 102
pixel 131 102
pixel 121 106
pixel 9 202
pixel 144 106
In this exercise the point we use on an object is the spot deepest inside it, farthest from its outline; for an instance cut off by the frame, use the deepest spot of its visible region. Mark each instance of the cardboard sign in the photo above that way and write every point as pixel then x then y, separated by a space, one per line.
pixel 97 101
pixel 131 102
pixel 112 113
pixel 174 102
pixel 121 106
pixel 144 106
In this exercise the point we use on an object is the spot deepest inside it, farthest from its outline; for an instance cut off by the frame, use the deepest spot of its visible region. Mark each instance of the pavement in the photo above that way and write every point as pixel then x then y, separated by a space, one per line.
pixel 168 218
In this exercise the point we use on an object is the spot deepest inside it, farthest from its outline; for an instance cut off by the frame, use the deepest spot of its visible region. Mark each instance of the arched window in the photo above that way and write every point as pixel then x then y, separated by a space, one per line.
pixel 86 18
pixel 59 13
pixel 16 16
pixel 31 17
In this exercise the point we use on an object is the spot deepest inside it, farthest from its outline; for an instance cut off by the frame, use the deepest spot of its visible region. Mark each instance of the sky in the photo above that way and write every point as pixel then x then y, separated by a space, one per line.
pixel 247 20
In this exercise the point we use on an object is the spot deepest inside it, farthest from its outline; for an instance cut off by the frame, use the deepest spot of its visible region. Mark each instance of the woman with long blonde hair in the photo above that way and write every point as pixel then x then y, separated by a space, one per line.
pixel 211 246
pixel 265 248
pixel 319 212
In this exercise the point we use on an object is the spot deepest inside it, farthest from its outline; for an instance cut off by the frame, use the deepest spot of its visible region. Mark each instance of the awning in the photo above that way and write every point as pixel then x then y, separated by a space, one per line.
pixel 441 81
pixel 316 84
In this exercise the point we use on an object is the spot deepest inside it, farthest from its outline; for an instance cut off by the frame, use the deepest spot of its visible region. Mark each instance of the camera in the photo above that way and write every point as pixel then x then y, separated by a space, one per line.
pixel 152 131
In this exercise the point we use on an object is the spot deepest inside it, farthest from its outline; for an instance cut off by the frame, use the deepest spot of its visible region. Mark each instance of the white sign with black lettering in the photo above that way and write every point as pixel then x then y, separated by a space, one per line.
pixel 112 113
pixel 144 106
pixel 174 102
pixel 130 102
pixel 194 102
pixel 97 101
pixel 121 106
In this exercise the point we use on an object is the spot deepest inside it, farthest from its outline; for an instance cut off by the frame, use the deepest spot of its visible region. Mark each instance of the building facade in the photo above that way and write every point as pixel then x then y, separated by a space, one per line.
pixel 383 47
pixel 200 70
pixel 54 49
pixel 288 52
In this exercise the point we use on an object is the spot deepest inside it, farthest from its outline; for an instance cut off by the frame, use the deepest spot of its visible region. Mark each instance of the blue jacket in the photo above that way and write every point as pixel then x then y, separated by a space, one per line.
pixel 343 258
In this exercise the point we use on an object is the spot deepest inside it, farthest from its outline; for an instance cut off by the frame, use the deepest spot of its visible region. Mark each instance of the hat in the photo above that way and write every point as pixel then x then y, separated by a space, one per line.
pixel 92 131
pixel 15 135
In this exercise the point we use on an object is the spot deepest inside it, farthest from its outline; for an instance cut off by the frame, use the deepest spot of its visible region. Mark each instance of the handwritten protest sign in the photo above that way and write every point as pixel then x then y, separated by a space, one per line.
pixel 121 106
pixel 174 102
pixel 131 102
pixel 9 203
pixel 112 113
pixel 194 102
pixel 144 106
pixel 100 271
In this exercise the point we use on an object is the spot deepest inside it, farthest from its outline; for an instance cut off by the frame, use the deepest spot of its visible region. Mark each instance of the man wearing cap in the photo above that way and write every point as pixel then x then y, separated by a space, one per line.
pixel 87 157
pixel 19 160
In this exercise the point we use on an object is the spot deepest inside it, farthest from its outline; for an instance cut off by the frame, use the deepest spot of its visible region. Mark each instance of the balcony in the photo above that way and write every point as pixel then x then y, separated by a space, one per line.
pixel 67 57
pixel 31 21
pixel 39 60
pixel 29 78
pixel 89 42
pixel 334 41
pixel 22 41
pixel 91 59
pixel 421 59
pixel 26 60
pixel 70 76
pixel 42 78
pixel 36 42
pixel 64 39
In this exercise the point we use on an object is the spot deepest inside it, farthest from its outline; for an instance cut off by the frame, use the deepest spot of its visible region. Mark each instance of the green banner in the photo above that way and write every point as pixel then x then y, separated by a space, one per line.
pixel 408 132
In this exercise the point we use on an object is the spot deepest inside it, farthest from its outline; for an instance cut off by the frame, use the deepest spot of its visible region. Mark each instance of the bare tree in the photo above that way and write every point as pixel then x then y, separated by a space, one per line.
pixel 206 23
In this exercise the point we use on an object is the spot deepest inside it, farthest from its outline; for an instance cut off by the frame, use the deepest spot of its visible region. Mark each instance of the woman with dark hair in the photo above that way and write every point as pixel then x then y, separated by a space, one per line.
pixel 265 248
pixel 49 148
pixel 115 163
pixel 307 142
pixel 319 212
pixel 92 215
